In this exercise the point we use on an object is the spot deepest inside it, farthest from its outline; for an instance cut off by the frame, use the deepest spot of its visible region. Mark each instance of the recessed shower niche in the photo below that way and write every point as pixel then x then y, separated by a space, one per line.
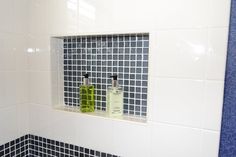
pixel 101 56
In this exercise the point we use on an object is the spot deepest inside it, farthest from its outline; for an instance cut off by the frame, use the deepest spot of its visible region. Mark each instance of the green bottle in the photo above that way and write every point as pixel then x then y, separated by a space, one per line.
pixel 87 101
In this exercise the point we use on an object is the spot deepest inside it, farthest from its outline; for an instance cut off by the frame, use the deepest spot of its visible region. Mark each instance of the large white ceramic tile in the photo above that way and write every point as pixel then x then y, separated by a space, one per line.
pixel 63 16
pixel 7 61
pixel 22 87
pixel 94 132
pixel 38 53
pixel 149 15
pixel 64 127
pixel 39 61
pixel 13 15
pixel 39 43
pixel 130 139
pixel 6 15
pixel 8 121
pixel 40 87
pixel 176 101
pixel 210 144
pixel 73 16
pixel 178 53
pixel 38 17
pixel 12 52
pixel 20 11
pixel 217 51
pixel 20 53
pixel 40 121
pixel 7 56
pixel 213 104
pixel 96 16
pixel 174 141
pixel 23 119
pixel 219 13
pixel 8 89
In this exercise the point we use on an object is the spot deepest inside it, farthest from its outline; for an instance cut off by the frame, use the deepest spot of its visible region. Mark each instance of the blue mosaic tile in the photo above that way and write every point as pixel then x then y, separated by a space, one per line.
pixel 228 130
pixel 36 146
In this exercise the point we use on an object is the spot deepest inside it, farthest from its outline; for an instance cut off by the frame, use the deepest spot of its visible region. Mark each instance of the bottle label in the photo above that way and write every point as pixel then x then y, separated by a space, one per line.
pixel 115 102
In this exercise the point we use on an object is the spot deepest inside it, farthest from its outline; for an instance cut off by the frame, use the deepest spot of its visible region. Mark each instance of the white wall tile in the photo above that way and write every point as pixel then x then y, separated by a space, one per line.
pixel 97 16
pixel 22 87
pixel 175 141
pixel 19 44
pixel 63 126
pixel 217 51
pixel 39 61
pixel 108 17
pixel 40 122
pixel 213 105
pixel 149 15
pixel 210 144
pixel 40 87
pixel 79 16
pixel 6 15
pixel 7 56
pixel 38 53
pixel 179 53
pixel 8 121
pixel 20 12
pixel 219 13
pixel 130 139
pixel 38 19
pixel 8 89
pixel 12 52
pixel 63 17
pixel 13 62
pixel 177 101
pixel 97 129
pixel 23 119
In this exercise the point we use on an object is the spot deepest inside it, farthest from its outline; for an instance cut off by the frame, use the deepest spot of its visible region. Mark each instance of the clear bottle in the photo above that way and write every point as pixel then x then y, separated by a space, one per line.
pixel 115 99
pixel 87 101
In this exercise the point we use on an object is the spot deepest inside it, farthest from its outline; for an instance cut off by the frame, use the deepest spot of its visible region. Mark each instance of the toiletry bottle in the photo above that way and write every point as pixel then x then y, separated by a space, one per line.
pixel 115 99
pixel 87 101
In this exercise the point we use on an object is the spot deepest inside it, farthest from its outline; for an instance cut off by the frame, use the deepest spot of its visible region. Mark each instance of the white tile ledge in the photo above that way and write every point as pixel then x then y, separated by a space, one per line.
pixel 103 114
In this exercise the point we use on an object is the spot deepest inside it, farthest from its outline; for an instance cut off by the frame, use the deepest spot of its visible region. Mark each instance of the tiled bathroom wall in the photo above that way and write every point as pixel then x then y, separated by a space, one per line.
pixel 187 54
pixel 186 74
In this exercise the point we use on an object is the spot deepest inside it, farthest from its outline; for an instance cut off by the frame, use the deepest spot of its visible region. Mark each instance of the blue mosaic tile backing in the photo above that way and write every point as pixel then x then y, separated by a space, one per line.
pixel 228 130
pixel 102 56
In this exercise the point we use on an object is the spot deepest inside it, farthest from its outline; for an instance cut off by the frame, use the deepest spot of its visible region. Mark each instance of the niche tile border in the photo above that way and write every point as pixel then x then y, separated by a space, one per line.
pixel 102 56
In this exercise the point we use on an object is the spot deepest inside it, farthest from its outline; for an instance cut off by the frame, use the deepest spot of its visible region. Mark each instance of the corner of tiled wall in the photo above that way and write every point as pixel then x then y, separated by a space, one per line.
pixel 186 65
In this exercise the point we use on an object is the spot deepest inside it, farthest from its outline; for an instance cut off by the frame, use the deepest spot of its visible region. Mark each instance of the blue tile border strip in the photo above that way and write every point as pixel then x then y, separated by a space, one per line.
pixel 228 128
pixel 36 146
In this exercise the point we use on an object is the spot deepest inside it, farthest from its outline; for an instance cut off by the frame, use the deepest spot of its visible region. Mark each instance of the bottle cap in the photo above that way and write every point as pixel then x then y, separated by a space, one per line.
pixel 114 81
pixel 86 80
pixel 86 75
pixel 114 77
